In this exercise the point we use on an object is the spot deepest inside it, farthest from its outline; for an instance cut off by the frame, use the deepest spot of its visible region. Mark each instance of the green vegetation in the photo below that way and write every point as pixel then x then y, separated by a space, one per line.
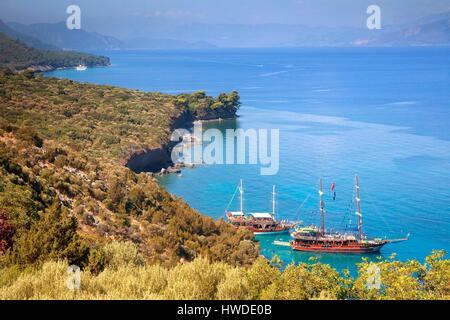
pixel 202 106
pixel 127 276
pixel 6 233
pixel 64 188
pixel 16 56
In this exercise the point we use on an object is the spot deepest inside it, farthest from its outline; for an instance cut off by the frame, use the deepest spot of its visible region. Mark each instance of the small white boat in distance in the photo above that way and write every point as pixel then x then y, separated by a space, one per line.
pixel 81 68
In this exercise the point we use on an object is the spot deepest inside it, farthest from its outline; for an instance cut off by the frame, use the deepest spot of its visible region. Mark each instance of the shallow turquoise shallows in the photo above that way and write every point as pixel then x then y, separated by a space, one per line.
pixel 383 114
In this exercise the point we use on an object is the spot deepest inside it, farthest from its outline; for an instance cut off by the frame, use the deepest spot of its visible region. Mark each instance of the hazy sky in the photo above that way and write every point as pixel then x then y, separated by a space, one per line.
pixel 121 17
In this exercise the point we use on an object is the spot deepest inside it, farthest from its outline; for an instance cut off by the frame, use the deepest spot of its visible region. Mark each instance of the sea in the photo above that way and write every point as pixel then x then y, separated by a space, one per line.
pixel 380 113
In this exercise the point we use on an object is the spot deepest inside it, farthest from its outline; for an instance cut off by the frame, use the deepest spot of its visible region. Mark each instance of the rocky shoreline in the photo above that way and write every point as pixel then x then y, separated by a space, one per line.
pixel 157 161
pixel 47 68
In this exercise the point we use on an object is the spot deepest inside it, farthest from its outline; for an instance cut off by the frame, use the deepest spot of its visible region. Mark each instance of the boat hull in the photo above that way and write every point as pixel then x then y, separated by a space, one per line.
pixel 336 248
pixel 270 232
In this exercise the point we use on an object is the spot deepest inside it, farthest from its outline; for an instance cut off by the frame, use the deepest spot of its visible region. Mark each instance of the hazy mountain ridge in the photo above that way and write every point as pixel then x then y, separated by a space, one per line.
pixel 26 39
pixel 155 43
pixel 430 30
pixel 58 35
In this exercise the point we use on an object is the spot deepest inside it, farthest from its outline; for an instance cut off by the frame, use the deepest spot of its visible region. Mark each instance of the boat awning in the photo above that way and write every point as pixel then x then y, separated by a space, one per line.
pixel 261 215
pixel 236 213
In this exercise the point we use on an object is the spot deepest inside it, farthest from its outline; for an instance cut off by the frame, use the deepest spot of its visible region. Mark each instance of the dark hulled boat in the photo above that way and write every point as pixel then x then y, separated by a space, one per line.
pixel 318 239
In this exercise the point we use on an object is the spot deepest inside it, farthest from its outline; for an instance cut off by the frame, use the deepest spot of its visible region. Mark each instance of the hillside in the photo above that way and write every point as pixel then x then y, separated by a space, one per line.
pixel 63 146
pixel 16 56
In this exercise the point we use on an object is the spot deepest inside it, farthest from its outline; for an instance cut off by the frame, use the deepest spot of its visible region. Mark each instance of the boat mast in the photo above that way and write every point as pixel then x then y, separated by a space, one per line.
pixel 273 201
pixel 241 191
pixel 358 206
pixel 322 209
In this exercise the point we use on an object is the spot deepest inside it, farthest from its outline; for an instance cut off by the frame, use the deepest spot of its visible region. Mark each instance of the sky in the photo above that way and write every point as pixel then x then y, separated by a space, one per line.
pixel 123 17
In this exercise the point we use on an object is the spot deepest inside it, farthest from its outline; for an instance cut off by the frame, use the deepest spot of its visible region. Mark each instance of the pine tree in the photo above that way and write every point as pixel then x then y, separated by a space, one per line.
pixel 6 233
pixel 53 237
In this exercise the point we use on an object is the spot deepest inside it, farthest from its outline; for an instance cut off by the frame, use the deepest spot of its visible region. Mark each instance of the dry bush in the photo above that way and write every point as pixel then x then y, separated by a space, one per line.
pixel 196 280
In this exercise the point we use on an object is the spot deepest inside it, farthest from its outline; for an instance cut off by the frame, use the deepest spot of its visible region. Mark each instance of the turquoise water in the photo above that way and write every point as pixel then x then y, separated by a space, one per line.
pixel 383 114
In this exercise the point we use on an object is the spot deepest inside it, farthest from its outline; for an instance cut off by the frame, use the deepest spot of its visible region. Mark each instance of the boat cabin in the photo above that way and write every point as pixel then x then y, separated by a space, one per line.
pixel 262 220
pixel 236 218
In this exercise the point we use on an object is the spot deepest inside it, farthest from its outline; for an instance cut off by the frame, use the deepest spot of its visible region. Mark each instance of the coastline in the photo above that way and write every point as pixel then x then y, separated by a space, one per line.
pixel 85 173
pixel 49 68
pixel 157 161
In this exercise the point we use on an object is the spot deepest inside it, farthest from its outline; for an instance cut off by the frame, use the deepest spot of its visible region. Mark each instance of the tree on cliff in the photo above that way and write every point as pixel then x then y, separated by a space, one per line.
pixel 6 233
pixel 231 101
pixel 53 236
pixel 203 106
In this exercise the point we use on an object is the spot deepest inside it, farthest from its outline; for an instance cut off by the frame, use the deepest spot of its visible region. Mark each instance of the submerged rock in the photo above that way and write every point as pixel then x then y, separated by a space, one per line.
pixel 173 170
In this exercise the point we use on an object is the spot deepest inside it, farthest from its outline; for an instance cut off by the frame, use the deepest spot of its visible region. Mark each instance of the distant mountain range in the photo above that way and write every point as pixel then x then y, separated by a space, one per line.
pixel 57 34
pixel 146 43
pixel 432 30
pixel 26 39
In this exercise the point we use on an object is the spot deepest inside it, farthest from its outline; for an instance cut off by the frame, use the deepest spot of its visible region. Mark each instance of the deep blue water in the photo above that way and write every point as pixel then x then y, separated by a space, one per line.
pixel 383 114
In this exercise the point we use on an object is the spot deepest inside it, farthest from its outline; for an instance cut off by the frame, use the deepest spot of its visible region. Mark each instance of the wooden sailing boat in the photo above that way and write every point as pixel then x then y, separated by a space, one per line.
pixel 317 239
pixel 238 218
pixel 258 222
pixel 266 223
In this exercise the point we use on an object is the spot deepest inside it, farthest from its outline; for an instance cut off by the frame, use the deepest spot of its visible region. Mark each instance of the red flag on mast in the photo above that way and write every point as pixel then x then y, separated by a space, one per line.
pixel 332 190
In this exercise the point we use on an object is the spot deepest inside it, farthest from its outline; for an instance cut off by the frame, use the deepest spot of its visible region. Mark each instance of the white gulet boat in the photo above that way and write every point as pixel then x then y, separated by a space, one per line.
pixel 258 222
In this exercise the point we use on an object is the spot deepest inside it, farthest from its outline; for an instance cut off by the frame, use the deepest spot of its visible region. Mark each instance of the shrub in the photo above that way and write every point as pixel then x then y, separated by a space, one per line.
pixel 54 236
pixel 122 254
pixel 201 279
pixel 197 280
pixel 235 286
pixel 6 233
